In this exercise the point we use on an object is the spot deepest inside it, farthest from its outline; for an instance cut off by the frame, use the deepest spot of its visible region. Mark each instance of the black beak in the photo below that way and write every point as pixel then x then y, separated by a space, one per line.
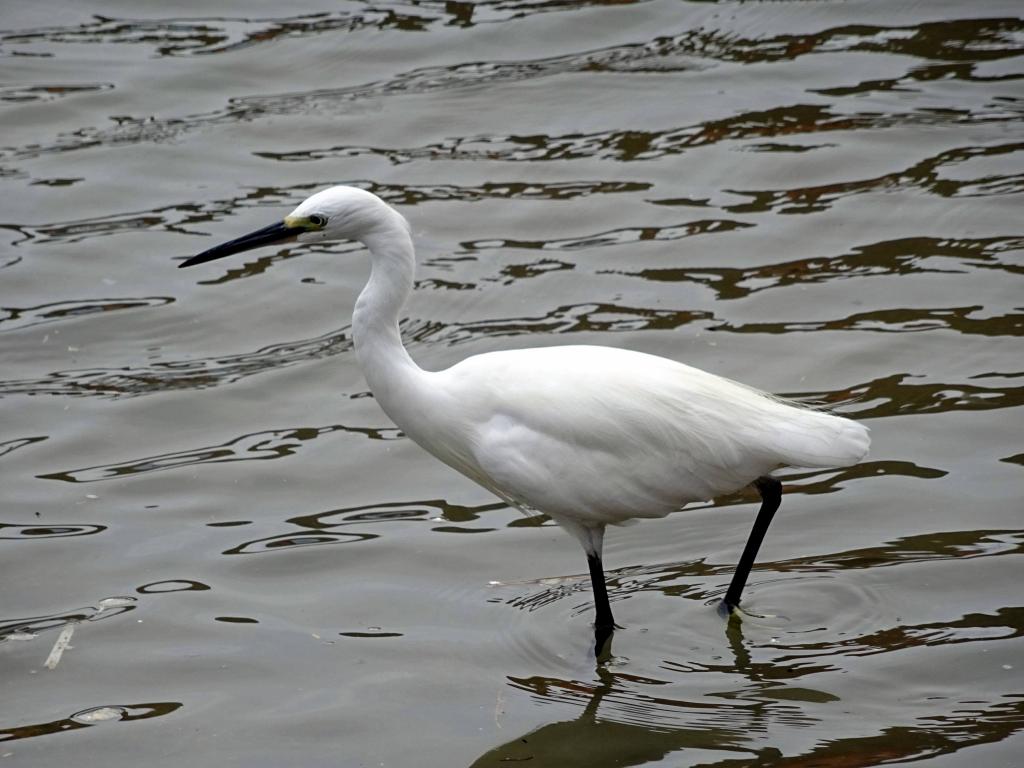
pixel 275 233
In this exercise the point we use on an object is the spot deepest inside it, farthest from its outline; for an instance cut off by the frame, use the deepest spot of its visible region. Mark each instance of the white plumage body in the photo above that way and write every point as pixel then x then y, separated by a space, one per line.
pixel 599 435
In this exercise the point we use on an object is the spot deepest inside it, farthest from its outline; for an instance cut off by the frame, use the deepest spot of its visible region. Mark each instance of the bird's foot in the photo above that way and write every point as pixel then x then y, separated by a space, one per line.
pixel 727 609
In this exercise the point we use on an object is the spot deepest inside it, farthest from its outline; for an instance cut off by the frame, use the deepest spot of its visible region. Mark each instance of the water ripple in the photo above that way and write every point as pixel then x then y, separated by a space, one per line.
pixel 621 236
pixel 91 717
pixel 106 608
pixel 9 446
pixel 925 175
pixel 325 527
pixel 256 446
pixel 963 40
pixel 12 532
pixel 26 317
pixel 199 373
pixel 902 256
pixel 183 218
pixel 639 145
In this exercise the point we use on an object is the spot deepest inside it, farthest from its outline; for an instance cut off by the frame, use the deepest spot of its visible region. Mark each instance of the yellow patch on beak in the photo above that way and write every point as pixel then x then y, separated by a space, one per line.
pixel 299 222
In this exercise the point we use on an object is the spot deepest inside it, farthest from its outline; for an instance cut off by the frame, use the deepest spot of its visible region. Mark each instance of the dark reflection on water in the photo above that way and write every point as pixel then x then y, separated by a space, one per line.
pixel 93 716
pixel 107 608
pixel 1002 624
pixel 26 317
pixel 618 726
pixel 256 446
pixel 623 737
pixel 924 174
pixel 9 446
pixel 612 237
pixel 973 40
pixel 324 527
pixel 905 256
pixel 791 121
pixel 12 532
pixel 900 321
pixel 894 395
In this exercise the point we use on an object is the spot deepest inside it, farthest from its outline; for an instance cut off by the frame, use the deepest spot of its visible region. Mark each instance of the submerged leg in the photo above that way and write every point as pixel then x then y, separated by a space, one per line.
pixel 771 494
pixel 604 624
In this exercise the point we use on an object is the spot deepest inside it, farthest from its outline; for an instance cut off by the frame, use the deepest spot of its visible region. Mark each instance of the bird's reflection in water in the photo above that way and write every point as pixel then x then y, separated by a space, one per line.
pixel 629 729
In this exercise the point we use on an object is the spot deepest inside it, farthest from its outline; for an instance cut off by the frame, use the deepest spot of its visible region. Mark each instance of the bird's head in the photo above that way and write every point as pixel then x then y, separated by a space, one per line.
pixel 336 213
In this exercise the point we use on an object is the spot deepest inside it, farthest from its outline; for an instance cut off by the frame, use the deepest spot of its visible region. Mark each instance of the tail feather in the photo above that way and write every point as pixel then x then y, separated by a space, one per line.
pixel 810 438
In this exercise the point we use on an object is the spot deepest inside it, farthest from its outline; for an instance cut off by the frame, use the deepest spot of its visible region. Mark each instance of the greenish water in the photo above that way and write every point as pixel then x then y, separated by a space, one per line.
pixel 258 569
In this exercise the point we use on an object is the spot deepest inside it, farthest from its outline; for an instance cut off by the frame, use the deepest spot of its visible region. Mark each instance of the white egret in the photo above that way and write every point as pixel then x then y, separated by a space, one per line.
pixel 588 435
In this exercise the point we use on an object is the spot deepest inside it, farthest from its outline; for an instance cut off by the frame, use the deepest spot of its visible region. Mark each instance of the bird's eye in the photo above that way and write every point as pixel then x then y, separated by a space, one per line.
pixel 317 220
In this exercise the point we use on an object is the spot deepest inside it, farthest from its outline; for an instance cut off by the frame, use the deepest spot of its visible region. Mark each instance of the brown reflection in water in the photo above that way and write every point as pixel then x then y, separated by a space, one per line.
pixel 922 175
pixel 572 318
pixel 324 527
pixel 966 40
pixel 26 317
pixel 255 446
pixel 895 396
pixel 184 36
pixel 612 237
pixel 104 714
pixel 11 532
pixel 638 145
pixel 9 446
pixel 21 94
pixel 940 734
pixel 629 736
pixel 903 256
pixel 1002 624
pixel 898 321
pixel 630 731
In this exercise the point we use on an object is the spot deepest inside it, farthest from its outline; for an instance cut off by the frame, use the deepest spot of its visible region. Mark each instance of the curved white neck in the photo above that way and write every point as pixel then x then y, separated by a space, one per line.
pixel 390 371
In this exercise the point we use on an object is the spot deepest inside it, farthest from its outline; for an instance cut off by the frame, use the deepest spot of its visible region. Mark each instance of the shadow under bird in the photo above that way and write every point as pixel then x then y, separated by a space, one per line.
pixel 588 435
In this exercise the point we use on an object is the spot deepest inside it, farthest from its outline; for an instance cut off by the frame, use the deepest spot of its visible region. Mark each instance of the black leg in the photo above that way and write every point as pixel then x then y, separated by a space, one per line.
pixel 771 494
pixel 604 624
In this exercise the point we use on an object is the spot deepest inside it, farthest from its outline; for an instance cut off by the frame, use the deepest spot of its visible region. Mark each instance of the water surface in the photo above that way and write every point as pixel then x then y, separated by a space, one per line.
pixel 257 568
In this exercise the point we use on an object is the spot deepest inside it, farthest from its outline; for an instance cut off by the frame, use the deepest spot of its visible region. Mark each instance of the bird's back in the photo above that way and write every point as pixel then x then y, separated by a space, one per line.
pixel 602 435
